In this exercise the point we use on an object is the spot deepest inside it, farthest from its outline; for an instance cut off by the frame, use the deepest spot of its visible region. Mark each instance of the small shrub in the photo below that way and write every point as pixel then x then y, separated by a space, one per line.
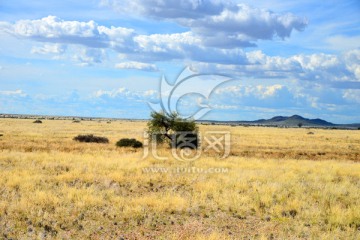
pixel 129 142
pixel 76 121
pixel 310 133
pixel 91 138
pixel 37 121
pixel 292 213
pixel 1 135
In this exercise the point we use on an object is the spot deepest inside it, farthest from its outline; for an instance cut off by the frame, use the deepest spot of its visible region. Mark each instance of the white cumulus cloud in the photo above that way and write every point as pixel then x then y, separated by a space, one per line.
pixel 49 49
pixel 56 30
pixel 352 95
pixel 337 70
pixel 89 56
pixel 137 65
pixel 111 93
pixel 18 92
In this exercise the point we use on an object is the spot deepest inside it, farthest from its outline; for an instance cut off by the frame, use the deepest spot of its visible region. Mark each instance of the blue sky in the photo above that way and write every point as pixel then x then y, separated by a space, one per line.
pixel 106 58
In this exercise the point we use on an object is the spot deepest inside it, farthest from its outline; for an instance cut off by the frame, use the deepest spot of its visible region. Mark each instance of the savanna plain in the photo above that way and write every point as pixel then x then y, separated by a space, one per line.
pixel 277 183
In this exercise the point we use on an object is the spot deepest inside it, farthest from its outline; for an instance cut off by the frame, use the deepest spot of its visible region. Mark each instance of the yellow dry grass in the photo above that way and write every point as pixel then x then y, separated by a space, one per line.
pixel 276 184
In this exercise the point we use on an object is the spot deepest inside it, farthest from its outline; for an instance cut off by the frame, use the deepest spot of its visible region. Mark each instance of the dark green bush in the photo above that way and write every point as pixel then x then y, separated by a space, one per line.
pixel 37 121
pixel 129 142
pixel 91 138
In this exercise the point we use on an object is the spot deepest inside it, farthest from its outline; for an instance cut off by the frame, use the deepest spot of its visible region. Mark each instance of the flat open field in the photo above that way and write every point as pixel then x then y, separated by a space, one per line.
pixel 276 184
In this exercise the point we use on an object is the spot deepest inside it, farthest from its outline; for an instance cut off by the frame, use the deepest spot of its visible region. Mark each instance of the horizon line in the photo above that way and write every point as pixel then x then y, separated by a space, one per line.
pixel 146 119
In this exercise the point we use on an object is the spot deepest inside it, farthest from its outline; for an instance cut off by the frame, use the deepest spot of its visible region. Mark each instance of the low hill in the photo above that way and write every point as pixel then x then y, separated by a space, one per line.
pixel 294 120
pixel 291 121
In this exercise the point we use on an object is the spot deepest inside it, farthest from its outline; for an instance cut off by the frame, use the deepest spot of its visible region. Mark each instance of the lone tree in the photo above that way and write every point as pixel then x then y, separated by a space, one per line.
pixel 300 125
pixel 164 126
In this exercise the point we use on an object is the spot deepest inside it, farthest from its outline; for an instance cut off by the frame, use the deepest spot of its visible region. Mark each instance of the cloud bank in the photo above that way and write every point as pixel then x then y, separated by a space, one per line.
pixel 222 24
pixel 217 31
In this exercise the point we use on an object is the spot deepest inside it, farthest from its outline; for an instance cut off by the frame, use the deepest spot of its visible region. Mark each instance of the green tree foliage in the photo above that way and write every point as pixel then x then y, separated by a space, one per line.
pixel 164 125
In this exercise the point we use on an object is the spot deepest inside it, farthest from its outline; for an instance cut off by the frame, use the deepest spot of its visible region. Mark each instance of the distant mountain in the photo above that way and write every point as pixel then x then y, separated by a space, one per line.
pixel 292 121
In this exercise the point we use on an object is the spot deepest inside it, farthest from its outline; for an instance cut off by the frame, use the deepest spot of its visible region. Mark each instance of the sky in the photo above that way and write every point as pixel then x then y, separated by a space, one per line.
pixel 108 58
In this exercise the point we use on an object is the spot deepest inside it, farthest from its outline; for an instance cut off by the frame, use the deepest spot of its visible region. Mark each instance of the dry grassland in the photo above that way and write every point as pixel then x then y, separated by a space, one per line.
pixel 276 184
